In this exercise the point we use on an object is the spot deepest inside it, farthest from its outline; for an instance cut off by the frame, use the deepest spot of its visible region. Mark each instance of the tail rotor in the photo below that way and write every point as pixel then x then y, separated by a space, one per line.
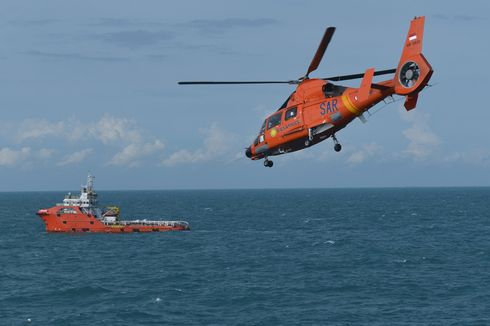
pixel 414 71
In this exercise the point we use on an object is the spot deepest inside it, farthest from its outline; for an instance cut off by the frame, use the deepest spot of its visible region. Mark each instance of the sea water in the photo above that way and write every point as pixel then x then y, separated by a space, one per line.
pixel 255 257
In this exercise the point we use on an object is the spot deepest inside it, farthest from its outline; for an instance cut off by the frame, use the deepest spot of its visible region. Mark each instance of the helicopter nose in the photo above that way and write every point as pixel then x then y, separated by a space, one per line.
pixel 248 152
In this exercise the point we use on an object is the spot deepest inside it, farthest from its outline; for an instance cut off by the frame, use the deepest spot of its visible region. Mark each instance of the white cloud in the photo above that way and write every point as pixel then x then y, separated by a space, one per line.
pixel 216 143
pixel 111 129
pixel 108 130
pixel 422 140
pixel 44 153
pixel 185 156
pixel 23 156
pixel 477 156
pixel 132 154
pixel 35 129
pixel 75 157
pixel 9 157
pixel 367 151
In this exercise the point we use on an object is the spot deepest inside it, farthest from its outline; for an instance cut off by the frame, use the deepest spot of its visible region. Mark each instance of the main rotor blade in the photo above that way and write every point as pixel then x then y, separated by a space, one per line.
pixel 356 76
pixel 237 82
pixel 291 82
pixel 321 50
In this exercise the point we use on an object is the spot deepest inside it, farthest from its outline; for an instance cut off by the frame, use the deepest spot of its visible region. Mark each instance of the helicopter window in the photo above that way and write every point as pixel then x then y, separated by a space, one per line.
pixel 291 113
pixel 274 120
pixel 331 90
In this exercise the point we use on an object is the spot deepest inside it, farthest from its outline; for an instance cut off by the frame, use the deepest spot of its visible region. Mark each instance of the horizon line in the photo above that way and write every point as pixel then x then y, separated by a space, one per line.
pixel 251 188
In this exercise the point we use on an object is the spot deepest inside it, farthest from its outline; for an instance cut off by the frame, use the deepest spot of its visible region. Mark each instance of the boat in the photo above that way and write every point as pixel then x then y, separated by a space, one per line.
pixel 80 213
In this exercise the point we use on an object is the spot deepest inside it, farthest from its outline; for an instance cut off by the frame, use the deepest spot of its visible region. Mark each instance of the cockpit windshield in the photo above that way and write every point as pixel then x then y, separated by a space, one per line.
pixel 262 129
pixel 274 120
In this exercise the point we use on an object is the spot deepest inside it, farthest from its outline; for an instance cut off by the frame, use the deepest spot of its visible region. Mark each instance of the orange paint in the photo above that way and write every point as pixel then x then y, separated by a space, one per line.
pixel 81 214
pixel 317 109
pixel 81 222
pixel 314 98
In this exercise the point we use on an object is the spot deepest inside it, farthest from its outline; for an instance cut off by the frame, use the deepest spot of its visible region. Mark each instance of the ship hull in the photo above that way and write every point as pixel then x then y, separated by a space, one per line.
pixel 78 222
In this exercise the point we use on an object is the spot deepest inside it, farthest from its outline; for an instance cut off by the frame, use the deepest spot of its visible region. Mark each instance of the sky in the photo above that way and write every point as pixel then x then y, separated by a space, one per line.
pixel 92 86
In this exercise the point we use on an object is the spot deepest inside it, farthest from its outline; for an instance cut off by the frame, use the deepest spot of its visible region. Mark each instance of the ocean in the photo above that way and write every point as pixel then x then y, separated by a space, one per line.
pixel 415 256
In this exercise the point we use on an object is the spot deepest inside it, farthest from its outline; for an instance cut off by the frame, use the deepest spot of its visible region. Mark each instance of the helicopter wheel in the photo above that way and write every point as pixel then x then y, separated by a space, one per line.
pixel 268 163
pixel 337 147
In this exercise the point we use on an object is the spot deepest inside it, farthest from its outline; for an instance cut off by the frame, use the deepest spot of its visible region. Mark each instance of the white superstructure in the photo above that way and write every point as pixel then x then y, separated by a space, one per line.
pixel 87 200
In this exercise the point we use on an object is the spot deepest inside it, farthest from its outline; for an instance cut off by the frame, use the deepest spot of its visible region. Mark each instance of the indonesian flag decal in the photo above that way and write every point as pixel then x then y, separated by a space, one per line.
pixel 412 37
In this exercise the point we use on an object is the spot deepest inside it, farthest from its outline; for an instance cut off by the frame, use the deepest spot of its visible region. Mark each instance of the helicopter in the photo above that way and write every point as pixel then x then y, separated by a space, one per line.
pixel 318 108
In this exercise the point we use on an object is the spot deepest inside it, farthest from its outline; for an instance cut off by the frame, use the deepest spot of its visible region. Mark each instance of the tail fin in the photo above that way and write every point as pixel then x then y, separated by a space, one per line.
pixel 366 85
pixel 413 72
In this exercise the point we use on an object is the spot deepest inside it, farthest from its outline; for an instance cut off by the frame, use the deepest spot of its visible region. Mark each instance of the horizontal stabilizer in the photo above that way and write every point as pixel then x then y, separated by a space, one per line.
pixel 411 101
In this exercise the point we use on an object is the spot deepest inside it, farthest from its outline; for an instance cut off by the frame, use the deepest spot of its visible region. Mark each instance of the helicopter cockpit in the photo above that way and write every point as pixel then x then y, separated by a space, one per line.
pixel 274 120
pixel 260 137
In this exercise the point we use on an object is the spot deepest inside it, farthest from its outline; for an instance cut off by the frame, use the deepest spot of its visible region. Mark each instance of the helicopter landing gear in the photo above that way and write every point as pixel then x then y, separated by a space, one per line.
pixel 337 147
pixel 268 163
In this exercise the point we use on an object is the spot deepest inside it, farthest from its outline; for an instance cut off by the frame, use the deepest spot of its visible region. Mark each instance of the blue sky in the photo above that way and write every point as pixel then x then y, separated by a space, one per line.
pixel 92 85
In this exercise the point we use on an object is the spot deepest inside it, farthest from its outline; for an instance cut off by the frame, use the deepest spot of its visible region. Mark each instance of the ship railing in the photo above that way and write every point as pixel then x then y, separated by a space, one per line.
pixel 68 204
pixel 150 223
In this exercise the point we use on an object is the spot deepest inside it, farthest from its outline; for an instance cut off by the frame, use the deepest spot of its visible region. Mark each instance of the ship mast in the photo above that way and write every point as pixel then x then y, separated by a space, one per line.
pixel 90 182
pixel 88 197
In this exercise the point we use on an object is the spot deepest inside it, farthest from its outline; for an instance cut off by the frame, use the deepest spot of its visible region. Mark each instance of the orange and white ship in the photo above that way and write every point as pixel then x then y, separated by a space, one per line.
pixel 81 214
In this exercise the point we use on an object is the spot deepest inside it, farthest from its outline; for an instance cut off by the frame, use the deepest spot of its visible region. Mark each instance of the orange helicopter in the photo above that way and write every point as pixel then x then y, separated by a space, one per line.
pixel 318 109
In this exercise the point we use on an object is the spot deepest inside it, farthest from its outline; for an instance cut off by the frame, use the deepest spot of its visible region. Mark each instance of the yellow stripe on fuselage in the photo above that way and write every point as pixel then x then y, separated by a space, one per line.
pixel 348 104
